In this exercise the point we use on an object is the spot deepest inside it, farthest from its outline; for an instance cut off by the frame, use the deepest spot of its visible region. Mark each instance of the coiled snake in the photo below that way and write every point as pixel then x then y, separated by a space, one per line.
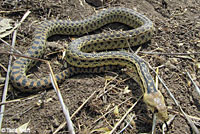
pixel 79 52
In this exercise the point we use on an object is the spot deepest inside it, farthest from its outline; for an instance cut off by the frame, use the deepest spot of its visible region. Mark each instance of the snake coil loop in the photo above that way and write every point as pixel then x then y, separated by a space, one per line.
pixel 79 52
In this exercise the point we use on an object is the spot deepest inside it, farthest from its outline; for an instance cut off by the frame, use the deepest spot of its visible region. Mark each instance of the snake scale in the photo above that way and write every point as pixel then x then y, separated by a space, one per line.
pixel 79 52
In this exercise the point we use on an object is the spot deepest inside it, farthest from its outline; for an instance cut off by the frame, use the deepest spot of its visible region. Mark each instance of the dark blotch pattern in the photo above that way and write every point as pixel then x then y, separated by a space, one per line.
pixel 38 84
pixel 18 77
pixel 24 81
pixel 97 43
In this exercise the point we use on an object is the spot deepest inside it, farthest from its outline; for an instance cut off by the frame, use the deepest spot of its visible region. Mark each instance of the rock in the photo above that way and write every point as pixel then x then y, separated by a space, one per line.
pixel 96 3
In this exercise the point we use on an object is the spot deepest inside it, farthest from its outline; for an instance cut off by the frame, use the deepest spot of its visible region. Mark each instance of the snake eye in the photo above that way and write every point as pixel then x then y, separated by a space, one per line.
pixel 156 110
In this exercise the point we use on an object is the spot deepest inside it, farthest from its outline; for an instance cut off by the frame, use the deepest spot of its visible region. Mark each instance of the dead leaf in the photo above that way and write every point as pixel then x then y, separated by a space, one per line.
pixel 109 78
pixel 189 83
pixel 198 65
pixel 103 129
pixel 23 128
pixel 116 111
pixel 180 44
pixel 126 90
pixel 5 27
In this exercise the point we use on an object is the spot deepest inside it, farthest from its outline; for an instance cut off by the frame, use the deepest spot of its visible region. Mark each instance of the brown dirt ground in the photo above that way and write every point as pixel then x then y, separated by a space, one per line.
pixel 177 31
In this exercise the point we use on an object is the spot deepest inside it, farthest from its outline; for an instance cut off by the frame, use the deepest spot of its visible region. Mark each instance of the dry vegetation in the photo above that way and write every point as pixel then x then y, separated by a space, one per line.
pixel 177 31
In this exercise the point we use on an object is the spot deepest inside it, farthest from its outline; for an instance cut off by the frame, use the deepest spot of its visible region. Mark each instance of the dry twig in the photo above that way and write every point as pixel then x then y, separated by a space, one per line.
pixel 18 100
pixel 7 81
pixel 64 123
pixel 129 110
pixel 195 85
pixel 9 66
pixel 157 53
pixel 64 108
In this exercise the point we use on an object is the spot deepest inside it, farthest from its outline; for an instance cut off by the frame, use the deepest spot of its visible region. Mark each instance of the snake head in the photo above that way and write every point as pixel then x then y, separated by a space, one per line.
pixel 155 101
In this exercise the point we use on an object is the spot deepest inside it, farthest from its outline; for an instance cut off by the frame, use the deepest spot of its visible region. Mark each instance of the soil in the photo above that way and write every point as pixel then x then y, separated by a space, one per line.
pixel 177 25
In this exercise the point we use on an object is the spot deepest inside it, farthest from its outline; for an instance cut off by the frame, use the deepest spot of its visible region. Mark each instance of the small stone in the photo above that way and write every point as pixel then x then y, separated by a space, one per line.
pixel 16 118
pixel 55 123
pixel 171 66
pixel 198 44
pixel 96 3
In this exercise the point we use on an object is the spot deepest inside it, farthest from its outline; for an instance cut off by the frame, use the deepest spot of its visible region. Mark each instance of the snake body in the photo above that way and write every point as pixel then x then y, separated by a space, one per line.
pixel 79 52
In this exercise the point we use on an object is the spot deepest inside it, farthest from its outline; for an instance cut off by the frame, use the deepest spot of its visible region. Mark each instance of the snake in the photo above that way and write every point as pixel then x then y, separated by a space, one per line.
pixel 93 53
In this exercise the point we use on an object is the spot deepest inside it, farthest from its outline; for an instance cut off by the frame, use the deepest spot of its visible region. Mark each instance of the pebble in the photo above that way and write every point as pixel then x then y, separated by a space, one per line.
pixel 96 3
pixel 55 123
